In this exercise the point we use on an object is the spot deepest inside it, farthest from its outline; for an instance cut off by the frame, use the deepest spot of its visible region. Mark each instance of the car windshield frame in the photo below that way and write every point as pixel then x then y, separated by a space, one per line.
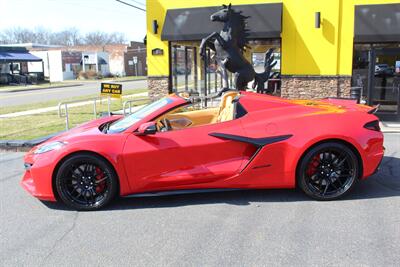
pixel 128 121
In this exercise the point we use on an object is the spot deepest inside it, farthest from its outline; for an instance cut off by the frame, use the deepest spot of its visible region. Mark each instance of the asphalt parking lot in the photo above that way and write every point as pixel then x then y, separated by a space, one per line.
pixel 240 228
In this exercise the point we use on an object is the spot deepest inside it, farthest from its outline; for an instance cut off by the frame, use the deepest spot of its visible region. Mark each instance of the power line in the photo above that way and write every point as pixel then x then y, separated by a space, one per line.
pixel 131 5
pixel 139 3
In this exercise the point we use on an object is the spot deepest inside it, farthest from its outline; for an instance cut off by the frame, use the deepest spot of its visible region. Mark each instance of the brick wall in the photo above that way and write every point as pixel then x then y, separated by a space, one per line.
pixel 136 49
pixel 158 87
pixel 309 87
pixel 295 87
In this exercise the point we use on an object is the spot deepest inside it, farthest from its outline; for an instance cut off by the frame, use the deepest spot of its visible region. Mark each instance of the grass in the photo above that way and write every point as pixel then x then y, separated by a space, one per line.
pixel 52 103
pixel 38 125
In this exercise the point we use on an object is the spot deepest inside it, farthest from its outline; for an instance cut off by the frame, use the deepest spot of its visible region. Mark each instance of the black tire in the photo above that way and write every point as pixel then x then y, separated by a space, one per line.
pixel 328 171
pixel 86 182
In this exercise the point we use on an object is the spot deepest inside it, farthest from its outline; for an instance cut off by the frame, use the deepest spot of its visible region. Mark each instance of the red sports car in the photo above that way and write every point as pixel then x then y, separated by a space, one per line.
pixel 250 141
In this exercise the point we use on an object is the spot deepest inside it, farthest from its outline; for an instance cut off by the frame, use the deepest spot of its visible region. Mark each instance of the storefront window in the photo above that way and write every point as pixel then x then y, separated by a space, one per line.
pixel 360 69
pixel 183 68
pixel 258 50
pixel 191 73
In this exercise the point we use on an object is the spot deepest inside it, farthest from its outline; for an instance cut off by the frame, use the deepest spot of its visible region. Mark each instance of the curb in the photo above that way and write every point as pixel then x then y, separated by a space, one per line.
pixel 115 81
pixel 40 88
pixel 23 145
pixel 111 80
pixel 391 131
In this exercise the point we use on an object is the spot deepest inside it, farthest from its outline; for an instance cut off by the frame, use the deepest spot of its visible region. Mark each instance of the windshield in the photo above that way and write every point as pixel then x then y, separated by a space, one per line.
pixel 125 123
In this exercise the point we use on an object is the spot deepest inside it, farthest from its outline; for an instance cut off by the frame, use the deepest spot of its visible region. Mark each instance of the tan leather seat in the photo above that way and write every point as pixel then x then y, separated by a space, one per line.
pixel 226 107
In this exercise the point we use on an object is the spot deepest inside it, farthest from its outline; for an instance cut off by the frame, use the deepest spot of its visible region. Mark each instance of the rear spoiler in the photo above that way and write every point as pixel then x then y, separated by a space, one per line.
pixel 374 109
pixel 350 102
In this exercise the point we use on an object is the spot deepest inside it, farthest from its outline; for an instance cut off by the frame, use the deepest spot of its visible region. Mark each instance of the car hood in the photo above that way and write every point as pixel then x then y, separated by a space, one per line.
pixel 88 128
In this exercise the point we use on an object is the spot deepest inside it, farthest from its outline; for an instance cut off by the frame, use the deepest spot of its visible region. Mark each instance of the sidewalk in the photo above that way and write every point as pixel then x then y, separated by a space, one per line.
pixel 390 127
pixel 28 88
pixel 55 108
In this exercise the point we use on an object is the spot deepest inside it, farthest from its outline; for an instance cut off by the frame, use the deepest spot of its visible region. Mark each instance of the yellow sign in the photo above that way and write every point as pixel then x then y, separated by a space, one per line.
pixel 111 89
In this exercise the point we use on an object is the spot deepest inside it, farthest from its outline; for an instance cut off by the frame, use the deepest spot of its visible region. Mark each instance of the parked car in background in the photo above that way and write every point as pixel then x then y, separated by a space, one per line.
pixel 383 69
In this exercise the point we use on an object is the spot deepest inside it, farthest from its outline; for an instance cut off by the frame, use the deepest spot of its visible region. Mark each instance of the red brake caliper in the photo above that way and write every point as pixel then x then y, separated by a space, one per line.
pixel 312 167
pixel 99 176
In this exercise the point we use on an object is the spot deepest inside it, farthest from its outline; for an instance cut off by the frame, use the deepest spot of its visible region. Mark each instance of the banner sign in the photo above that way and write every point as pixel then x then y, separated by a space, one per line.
pixel 111 89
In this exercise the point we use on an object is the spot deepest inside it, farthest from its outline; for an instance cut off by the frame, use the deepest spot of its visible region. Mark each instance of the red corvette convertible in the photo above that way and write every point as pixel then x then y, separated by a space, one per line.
pixel 250 141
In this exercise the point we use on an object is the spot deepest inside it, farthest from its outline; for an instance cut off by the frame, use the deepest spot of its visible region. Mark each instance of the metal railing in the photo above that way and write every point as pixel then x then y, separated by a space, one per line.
pixel 64 106
pixel 201 101
pixel 66 103
pixel 207 101
pixel 129 104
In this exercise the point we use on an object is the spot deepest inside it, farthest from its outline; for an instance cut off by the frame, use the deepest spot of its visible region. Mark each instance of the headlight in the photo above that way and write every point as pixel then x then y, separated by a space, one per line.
pixel 49 146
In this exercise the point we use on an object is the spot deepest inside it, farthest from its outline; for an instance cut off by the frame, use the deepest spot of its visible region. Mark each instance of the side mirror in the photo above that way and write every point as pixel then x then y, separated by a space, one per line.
pixel 147 128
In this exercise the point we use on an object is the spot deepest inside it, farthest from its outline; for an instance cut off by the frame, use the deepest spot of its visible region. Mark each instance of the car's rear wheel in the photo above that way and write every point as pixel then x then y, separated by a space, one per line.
pixel 328 171
pixel 86 182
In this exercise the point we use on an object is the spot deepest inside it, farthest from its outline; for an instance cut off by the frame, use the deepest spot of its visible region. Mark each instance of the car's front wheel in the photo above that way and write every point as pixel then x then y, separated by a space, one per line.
pixel 86 182
pixel 328 171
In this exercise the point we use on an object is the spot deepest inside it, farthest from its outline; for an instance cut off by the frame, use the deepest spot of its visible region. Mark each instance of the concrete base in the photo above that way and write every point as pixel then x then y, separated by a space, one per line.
pixel 309 87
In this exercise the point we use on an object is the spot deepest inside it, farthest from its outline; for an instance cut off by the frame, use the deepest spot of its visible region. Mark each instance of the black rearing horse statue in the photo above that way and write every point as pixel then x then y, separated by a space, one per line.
pixel 229 45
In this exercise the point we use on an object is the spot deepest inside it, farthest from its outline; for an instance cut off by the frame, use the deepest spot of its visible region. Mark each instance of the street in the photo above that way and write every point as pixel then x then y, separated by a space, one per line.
pixel 239 228
pixel 36 96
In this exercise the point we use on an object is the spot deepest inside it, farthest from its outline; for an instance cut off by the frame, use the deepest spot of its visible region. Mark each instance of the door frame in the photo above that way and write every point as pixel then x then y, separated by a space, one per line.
pixel 372 54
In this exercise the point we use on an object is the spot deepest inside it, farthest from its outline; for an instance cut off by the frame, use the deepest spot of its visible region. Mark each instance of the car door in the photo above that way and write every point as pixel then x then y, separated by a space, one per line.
pixel 186 158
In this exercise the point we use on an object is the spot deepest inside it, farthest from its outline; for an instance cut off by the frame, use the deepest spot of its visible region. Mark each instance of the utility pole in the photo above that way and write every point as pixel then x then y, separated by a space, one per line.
pixel 135 61
pixel 48 66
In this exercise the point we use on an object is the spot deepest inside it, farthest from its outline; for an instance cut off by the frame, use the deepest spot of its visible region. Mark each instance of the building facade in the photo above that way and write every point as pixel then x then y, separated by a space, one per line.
pixel 67 62
pixel 15 65
pixel 135 59
pixel 106 59
pixel 323 48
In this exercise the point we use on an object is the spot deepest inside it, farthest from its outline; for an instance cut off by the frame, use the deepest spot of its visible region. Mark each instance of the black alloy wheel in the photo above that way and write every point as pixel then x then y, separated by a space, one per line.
pixel 328 171
pixel 86 182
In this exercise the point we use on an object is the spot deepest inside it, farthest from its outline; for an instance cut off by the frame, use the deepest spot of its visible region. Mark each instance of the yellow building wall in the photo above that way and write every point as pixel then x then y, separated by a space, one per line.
pixel 305 49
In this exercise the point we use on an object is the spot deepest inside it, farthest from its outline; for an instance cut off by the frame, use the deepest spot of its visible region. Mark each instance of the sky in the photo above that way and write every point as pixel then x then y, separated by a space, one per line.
pixel 86 15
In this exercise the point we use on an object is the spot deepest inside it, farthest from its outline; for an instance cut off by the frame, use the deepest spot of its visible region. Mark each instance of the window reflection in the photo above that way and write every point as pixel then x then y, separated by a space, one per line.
pixel 192 74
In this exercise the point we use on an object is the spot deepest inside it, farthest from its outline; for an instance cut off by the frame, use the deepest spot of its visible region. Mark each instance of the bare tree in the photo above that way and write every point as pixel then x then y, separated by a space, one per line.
pixel 75 36
pixel 3 38
pixel 67 37
pixel 96 38
pixel 41 35
pixel 117 38
pixel 20 35
pixel 102 38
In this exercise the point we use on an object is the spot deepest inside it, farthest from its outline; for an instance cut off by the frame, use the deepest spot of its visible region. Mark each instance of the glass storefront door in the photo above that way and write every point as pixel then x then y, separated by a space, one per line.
pixel 376 69
pixel 386 82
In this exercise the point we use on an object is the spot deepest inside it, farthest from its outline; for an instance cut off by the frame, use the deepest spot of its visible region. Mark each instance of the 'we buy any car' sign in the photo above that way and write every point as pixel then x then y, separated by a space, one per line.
pixel 111 89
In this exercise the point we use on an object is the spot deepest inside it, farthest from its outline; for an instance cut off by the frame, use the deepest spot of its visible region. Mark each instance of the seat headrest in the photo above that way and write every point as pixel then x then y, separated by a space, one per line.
pixel 224 99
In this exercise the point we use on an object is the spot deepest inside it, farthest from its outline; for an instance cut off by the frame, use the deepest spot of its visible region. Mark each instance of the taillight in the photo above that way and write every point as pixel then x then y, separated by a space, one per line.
pixel 373 125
